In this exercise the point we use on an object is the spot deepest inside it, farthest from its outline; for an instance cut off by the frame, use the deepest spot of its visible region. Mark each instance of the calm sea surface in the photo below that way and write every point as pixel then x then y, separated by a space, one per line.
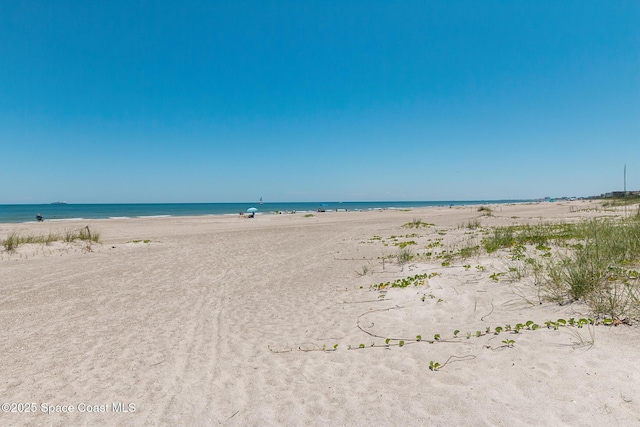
pixel 60 212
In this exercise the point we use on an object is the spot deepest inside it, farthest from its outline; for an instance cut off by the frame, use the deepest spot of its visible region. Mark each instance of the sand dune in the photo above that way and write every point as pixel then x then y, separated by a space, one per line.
pixel 223 321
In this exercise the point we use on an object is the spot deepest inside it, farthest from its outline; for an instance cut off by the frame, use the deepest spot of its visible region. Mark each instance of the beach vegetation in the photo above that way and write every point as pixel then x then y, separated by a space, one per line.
pixel 508 342
pixel 405 255
pixel 583 341
pixel 487 211
pixel 473 224
pixel 628 200
pixel 434 244
pixel 602 270
pixel 417 280
pixel 365 270
pixel 417 223
pixel 405 244
pixel 539 235
pixel 594 261
pixel 14 239
pixel 496 276
pixel 467 252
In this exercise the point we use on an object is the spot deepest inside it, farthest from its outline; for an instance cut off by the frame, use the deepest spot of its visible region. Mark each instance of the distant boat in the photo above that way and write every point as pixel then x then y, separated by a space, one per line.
pixel 59 203
pixel 260 201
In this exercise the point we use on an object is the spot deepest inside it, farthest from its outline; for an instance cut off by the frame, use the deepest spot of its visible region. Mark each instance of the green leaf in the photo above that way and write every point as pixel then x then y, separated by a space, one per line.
pixel 456 332
pixel 401 343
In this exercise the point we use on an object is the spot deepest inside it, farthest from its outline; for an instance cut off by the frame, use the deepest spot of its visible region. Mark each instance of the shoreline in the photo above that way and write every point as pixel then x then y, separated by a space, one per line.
pixel 26 213
pixel 332 209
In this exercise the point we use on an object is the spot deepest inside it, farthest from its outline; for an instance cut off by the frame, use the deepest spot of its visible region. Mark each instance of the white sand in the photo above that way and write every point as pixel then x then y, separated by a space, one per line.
pixel 205 325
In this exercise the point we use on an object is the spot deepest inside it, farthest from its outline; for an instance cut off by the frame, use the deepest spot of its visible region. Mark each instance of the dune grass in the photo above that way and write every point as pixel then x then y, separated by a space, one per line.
pixel 599 266
pixel 16 239
pixel 621 201
pixel 405 255
pixel 487 211
pixel 473 224
pixel 417 223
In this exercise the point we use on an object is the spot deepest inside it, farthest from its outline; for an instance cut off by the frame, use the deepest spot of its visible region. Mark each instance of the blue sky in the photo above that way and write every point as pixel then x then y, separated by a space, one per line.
pixel 205 101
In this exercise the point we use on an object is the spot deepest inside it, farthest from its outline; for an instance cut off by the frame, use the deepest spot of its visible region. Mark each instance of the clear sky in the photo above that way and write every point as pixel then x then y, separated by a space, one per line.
pixel 212 101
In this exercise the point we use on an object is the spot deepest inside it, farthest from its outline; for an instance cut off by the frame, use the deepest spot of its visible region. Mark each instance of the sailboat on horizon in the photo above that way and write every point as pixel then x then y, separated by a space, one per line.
pixel 260 201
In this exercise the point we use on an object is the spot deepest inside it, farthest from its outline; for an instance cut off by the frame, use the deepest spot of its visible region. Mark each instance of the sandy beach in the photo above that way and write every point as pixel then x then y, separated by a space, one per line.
pixel 222 320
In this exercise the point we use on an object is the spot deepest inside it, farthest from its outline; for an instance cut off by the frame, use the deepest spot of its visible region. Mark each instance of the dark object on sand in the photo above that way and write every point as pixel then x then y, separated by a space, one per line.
pixel 39 218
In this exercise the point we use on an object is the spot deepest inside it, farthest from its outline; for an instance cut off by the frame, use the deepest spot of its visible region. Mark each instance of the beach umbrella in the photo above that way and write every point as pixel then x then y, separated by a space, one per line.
pixel 252 210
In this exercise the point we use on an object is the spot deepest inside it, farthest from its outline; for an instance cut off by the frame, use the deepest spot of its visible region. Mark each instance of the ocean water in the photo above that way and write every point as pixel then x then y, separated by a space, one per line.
pixel 61 212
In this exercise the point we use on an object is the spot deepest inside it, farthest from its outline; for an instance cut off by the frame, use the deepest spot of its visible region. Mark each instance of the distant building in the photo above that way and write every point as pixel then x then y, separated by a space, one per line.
pixel 618 194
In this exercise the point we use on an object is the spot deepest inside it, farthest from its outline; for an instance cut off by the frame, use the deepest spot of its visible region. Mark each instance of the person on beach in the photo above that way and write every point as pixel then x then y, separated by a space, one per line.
pixel 39 218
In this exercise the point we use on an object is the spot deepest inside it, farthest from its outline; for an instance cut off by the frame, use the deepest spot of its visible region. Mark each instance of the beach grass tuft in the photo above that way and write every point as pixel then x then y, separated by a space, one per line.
pixel 417 223
pixel 487 211
pixel 473 224
pixel 405 255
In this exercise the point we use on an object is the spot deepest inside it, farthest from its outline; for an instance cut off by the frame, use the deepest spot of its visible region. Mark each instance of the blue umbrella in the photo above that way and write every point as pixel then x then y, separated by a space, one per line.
pixel 252 210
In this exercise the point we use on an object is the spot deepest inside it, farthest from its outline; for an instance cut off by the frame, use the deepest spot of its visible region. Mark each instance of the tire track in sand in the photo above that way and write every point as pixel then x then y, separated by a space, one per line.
pixel 192 389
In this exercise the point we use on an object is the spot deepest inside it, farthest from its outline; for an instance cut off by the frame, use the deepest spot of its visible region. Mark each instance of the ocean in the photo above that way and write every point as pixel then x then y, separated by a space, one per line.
pixel 61 212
